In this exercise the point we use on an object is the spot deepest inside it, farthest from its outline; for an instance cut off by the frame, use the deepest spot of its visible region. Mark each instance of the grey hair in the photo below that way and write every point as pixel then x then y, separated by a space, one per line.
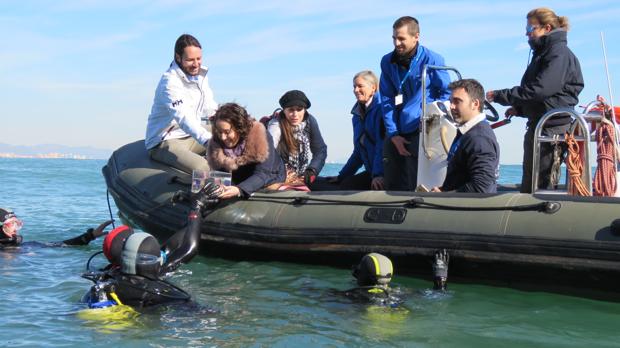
pixel 369 77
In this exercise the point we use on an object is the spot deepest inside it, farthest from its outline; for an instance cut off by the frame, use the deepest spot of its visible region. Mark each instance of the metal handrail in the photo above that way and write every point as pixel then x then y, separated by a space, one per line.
pixel 539 138
pixel 423 117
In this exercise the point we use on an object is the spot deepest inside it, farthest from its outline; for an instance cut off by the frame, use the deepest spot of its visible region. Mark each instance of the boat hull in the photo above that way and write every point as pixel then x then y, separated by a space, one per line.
pixel 523 240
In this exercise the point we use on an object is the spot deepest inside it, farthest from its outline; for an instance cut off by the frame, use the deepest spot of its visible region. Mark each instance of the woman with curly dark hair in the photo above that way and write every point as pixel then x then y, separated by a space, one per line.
pixel 243 147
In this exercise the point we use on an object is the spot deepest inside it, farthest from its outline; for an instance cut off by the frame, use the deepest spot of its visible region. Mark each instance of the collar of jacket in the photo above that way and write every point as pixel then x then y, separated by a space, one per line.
pixel 465 127
pixel 357 108
pixel 256 150
pixel 174 66
pixel 556 36
pixel 406 60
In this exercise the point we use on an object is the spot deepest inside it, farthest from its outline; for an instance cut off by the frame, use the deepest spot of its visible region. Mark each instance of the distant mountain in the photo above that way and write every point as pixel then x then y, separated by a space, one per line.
pixel 59 151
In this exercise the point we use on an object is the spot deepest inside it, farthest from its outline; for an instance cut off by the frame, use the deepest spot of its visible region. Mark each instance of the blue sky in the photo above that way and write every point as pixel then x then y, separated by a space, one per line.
pixel 83 72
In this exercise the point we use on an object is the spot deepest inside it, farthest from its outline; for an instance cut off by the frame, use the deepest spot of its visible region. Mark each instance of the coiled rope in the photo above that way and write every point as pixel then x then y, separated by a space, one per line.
pixel 574 165
pixel 605 177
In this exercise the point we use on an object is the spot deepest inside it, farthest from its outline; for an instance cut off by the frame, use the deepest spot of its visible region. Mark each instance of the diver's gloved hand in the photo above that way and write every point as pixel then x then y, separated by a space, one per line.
pixel 99 231
pixel 440 269
pixel 208 194
pixel 309 176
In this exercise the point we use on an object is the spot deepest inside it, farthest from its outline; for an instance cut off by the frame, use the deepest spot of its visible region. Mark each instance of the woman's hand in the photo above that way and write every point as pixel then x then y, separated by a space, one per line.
pixel 230 192
pixel 511 111
pixel 490 96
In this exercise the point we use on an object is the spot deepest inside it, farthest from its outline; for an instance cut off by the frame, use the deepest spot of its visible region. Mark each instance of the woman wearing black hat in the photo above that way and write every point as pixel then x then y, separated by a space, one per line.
pixel 297 138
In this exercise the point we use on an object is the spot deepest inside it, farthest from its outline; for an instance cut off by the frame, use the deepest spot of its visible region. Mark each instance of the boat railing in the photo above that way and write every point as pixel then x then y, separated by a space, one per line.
pixel 423 118
pixel 579 121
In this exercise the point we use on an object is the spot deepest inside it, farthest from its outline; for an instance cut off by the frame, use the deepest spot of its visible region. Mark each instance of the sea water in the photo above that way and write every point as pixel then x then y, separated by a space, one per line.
pixel 250 304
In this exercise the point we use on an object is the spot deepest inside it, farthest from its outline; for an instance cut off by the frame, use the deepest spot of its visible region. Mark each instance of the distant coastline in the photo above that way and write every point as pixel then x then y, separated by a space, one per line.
pixel 52 151
pixel 53 155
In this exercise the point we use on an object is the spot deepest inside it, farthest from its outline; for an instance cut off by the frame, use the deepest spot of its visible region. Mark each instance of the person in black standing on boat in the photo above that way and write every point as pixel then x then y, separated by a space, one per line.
pixel 552 80
pixel 473 159
pixel 11 225
pixel 242 146
pixel 174 133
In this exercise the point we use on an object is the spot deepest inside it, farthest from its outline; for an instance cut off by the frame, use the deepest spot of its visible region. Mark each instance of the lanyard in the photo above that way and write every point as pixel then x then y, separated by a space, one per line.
pixel 411 65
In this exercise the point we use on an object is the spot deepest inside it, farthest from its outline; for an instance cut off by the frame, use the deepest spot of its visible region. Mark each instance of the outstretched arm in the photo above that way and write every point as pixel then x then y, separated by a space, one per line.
pixel 183 245
pixel 90 235
pixel 440 269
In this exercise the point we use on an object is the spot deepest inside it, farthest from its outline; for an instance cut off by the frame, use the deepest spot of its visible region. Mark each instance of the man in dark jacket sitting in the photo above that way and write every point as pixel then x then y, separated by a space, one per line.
pixel 473 160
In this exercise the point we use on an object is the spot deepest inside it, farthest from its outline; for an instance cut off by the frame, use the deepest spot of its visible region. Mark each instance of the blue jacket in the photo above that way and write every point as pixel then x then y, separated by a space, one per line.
pixel 367 141
pixel 405 118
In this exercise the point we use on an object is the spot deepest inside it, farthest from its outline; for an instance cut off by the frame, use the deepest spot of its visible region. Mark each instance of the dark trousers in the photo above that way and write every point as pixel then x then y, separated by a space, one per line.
pixel 401 172
pixel 546 158
pixel 359 181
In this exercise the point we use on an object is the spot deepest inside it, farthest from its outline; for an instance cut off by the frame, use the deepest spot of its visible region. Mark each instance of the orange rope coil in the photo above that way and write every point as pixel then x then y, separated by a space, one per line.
pixel 574 165
pixel 605 177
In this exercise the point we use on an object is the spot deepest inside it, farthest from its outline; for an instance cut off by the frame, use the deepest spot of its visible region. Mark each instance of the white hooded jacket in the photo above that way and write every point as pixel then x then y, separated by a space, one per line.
pixel 178 106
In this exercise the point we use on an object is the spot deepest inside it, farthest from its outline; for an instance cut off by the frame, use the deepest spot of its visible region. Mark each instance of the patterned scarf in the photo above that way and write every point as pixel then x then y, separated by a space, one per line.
pixel 299 162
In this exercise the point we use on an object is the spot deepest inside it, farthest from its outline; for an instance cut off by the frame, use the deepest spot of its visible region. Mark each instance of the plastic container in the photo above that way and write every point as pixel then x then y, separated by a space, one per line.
pixel 221 178
pixel 199 177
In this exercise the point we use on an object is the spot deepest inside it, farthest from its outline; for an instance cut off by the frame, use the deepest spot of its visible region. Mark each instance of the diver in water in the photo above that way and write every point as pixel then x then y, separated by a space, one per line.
pixel 11 225
pixel 138 262
pixel 375 271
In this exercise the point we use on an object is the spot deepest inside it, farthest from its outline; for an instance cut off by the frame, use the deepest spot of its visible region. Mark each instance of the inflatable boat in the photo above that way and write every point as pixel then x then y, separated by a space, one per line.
pixel 523 240
pixel 546 240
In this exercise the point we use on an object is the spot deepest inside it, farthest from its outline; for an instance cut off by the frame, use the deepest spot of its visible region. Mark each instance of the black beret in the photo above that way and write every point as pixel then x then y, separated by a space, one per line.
pixel 294 98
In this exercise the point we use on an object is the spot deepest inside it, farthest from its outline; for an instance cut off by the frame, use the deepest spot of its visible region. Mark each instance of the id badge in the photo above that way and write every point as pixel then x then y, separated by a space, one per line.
pixel 398 100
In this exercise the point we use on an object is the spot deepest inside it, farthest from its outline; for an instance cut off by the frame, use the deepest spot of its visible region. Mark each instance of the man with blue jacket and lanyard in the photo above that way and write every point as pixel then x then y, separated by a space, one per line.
pixel 401 101
pixel 174 133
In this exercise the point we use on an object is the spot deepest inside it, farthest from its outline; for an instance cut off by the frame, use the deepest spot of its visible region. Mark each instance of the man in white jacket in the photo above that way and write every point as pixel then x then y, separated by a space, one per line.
pixel 174 133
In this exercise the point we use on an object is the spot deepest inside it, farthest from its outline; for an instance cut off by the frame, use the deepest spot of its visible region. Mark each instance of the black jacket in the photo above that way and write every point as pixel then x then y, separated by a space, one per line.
pixel 552 80
pixel 473 168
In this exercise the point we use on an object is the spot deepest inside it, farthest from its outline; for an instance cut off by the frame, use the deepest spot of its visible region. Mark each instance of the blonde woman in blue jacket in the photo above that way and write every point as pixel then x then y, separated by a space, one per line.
pixel 368 136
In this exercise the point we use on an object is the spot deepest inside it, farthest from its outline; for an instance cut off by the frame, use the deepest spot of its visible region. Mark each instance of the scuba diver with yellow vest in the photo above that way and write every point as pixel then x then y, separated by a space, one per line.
pixel 138 262
pixel 374 273
pixel 11 225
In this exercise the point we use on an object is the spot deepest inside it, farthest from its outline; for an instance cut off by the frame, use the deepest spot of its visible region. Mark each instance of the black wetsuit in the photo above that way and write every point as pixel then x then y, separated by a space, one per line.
pixel 376 295
pixel 138 291
pixel 16 241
